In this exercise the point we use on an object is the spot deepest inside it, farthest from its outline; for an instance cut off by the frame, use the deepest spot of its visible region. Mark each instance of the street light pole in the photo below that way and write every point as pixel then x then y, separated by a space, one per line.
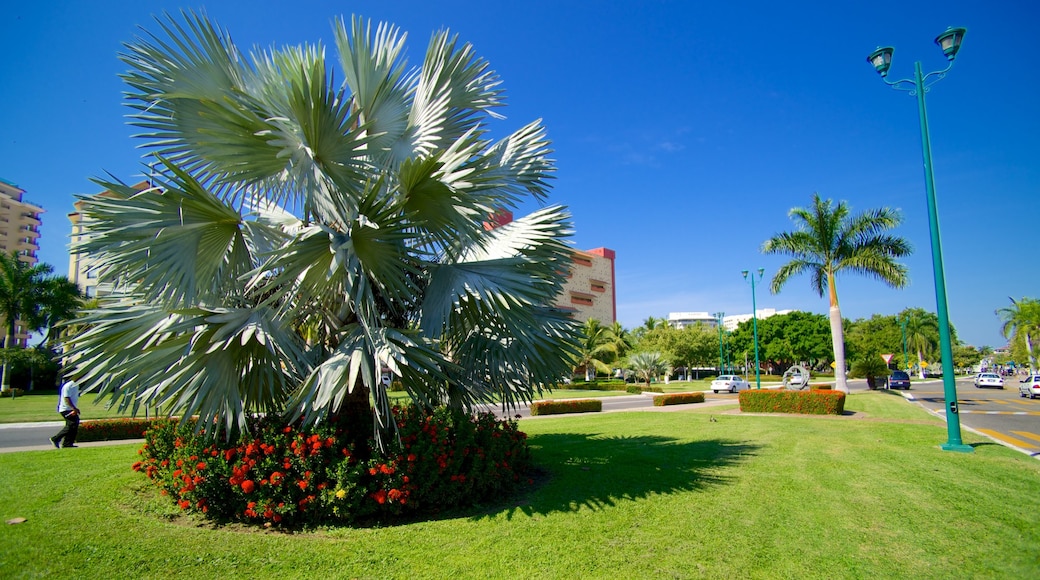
pixel 902 324
pixel 949 42
pixel 754 322
pixel 718 324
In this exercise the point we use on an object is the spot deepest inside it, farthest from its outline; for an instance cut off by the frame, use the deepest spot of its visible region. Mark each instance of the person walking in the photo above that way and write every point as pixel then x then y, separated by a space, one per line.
pixel 67 400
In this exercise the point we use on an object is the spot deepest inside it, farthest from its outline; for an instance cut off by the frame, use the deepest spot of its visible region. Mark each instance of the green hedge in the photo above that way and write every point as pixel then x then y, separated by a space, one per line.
pixel 117 429
pixel 607 385
pixel 559 407
pixel 819 402
pixel 678 399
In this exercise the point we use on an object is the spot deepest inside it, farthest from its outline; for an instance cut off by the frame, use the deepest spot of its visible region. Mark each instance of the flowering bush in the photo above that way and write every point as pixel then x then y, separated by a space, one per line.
pixel 282 475
pixel 560 407
pixel 819 402
pixel 678 399
pixel 114 429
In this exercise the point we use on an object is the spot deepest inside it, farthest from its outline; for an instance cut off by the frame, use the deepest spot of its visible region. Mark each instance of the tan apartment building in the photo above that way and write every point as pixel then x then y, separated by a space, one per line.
pixel 82 271
pixel 19 232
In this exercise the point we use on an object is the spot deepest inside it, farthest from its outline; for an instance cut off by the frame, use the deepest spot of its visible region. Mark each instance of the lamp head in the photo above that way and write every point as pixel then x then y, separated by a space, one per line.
pixel 950 41
pixel 761 272
pixel 881 59
pixel 744 273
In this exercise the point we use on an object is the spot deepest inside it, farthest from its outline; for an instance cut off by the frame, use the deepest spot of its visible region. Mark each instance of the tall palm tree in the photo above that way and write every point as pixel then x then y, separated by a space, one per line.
pixel 596 346
pixel 829 240
pixel 620 340
pixel 922 334
pixel 1022 323
pixel 302 236
pixel 30 295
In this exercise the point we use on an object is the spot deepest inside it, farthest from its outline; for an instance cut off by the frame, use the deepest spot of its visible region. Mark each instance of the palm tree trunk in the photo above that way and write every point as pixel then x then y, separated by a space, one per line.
pixel 920 367
pixel 838 344
pixel 5 377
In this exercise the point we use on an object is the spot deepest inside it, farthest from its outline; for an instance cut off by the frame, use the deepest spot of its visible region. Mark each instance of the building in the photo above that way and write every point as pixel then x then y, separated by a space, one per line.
pixel 81 271
pixel 588 291
pixel 19 232
pixel 681 320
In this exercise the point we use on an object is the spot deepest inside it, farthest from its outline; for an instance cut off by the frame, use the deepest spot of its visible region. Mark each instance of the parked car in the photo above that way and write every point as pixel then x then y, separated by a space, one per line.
pixel 731 383
pixel 1029 386
pixel 988 380
pixel 899 380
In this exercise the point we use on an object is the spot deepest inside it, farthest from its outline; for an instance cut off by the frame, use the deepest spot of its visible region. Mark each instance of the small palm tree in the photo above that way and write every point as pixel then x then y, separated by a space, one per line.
pixel 829 240
pixel 647 365
pixel 303 235
pixel 922 335
pixel 595 347
pixel 1022 323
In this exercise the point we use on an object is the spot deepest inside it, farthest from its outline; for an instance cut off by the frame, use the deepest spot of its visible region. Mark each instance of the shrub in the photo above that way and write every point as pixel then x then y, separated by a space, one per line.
pixel 824 387
pixel 282 475
pixel 818 402
pixel 604 385
pixel 396 386
pixel 678 399
pixel 12 392
pixel 115 429
pixel 559 407
pixel 634 389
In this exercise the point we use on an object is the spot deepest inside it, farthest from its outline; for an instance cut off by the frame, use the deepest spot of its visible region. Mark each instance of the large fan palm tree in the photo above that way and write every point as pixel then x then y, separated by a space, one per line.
pixel 302 236
pixel 1022 323
pixel 829 240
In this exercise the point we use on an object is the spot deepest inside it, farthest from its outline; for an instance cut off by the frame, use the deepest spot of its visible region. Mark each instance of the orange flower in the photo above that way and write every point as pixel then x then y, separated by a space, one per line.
pixel 248 486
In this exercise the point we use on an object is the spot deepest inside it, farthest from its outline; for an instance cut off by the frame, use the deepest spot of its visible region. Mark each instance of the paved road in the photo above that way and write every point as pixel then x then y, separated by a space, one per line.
pixel 1001 415
pixel 998 414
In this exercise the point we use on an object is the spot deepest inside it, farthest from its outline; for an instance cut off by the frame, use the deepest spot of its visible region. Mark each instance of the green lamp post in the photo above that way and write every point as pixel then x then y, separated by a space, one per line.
pixel 950 43
pixel 902 325
pixel 754 321
pixel 718 324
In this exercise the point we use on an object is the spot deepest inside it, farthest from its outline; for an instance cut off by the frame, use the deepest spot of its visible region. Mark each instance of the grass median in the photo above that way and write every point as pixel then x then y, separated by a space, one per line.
pixel 635 494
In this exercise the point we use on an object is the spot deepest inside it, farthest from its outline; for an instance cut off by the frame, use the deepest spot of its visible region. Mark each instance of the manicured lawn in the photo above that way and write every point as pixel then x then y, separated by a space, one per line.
pixel 629 495
pixel 40 405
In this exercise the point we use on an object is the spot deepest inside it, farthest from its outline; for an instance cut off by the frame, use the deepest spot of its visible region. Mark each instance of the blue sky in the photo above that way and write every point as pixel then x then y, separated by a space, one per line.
pixel 684 131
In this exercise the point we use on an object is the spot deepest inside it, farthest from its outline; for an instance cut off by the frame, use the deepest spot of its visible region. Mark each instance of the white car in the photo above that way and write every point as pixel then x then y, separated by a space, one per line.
pixel 1029 387
pixel 988 380
pixel 731 383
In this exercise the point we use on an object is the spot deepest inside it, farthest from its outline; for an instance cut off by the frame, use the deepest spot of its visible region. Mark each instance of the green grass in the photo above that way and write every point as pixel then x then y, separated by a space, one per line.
pixel 42 405
pixel 629 495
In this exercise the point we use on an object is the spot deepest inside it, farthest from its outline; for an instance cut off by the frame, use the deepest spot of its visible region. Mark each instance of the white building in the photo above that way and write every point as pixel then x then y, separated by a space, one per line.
pixel 681 320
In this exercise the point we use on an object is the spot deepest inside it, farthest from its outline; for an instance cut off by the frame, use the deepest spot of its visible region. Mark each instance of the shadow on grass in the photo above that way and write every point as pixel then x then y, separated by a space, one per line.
pixel 595 471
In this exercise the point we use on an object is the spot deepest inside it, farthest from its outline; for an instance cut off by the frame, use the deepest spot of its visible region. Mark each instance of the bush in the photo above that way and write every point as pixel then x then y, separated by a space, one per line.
pixel 12 392
pixel 818 402
pixel 605 385
pixel 824 387
pixel 634 389
pixel 678 399
pixel 283 475
pixel 559 407
pixel 116 429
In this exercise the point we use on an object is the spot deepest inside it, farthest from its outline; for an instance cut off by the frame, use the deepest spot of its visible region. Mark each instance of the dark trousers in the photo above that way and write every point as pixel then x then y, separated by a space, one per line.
pixel 69 431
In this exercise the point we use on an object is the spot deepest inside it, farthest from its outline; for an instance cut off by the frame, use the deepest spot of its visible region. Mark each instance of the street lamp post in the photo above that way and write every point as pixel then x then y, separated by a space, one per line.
pixel 754 322
pixel 950 43
pixel 718 325
pixel 902 325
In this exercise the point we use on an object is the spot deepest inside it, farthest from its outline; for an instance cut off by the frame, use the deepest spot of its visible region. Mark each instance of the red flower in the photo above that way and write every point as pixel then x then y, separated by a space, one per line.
pixel 248 486
pixel 302 484
pixel 200 465
pixel 379 496
pixel 185 504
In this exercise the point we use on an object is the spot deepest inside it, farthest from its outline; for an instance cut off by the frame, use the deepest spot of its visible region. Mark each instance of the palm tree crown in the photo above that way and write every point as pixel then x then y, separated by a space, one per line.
pixel 1021 323
pixel 829 240
pixel 302 237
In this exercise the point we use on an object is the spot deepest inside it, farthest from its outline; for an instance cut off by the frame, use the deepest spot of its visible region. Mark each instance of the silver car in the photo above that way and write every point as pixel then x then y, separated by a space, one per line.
pixel 1029 387
pixel 988 380
pixel 731 383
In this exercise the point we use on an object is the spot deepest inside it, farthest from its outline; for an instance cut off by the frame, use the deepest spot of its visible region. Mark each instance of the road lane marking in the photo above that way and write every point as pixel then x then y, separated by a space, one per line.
pixel 971 412
pixel 1007 439
pixel 1027 435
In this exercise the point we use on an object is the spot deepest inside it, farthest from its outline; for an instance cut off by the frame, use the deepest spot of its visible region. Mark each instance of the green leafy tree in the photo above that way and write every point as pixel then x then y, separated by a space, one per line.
pixel 1021 325
pixel 830 240
pixel 302 235
pixel 647 365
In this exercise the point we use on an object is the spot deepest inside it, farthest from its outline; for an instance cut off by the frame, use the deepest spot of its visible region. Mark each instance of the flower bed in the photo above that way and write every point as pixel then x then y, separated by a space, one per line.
pixel 560 407
pixel 287 476
pixel 678 399
pixel 115 429
pixel 818 402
